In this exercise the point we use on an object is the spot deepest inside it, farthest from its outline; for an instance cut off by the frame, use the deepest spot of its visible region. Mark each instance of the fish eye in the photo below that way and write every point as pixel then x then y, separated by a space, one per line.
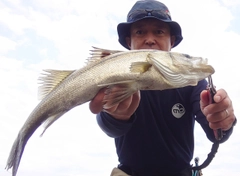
pixel 187 56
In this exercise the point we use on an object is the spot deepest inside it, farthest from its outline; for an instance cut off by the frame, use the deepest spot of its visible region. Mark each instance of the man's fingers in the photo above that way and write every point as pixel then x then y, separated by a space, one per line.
pixel 135 102
pixel 129 105
pixel 96 104
pixel 220 95
pixel 122 106
pixel 122 110
pixel 204 99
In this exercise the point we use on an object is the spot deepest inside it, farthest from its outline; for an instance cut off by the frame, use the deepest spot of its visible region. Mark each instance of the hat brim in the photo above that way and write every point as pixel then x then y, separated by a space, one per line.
pixel 124 31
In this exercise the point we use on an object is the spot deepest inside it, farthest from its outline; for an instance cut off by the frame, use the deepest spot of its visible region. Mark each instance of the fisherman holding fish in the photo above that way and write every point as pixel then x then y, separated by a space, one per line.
pixel 153 129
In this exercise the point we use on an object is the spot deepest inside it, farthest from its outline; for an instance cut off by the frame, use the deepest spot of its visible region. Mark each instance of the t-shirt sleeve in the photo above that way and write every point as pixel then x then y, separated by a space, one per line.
pixel 113 127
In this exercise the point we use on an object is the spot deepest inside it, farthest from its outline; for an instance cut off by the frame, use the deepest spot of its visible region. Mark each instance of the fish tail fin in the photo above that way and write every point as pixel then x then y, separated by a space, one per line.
pixel 20 142
pixel 116 95
pixel 16 154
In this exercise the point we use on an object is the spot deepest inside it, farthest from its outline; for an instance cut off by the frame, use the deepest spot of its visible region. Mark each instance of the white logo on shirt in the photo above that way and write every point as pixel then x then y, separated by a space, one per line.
pixel 178 110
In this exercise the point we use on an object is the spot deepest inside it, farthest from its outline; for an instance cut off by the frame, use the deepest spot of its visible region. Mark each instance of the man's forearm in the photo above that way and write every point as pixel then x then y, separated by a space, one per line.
pixel 113 127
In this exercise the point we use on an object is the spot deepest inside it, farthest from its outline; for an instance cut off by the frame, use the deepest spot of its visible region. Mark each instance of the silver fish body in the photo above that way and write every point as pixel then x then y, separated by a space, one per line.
pixel 132 70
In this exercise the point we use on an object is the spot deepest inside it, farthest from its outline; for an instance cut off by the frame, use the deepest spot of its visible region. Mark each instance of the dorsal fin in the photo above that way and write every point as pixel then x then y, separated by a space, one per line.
pixel 99 54
pixel 51 79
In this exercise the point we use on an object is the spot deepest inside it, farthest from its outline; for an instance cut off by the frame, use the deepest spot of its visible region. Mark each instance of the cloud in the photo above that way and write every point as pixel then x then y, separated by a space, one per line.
pixel 231 3
pixel 8 45
pixel 15 21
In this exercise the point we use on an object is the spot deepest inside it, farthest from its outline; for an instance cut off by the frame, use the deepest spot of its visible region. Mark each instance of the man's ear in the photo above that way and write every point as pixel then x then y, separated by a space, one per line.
pixel 173 38
pixel 128 41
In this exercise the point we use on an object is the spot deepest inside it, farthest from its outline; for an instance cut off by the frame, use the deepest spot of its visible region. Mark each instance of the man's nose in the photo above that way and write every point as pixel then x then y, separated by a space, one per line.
pixel 150 40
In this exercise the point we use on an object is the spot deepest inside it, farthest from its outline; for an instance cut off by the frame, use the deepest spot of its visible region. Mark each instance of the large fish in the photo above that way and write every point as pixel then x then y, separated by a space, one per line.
pixel 132 70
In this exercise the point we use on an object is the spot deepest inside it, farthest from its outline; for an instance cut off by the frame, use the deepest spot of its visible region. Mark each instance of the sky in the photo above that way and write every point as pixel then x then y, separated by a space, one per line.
pixel 58 34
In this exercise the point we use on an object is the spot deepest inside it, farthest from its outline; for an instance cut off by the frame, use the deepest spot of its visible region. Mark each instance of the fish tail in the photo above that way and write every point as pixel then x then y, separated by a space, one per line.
pixel 16 154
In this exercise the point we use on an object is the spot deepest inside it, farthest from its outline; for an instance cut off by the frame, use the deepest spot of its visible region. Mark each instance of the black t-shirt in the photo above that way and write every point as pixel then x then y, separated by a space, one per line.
pixel 159 136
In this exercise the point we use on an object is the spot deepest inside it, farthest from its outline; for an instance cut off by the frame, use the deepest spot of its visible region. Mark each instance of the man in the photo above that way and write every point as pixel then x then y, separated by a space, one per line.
pixel 151 138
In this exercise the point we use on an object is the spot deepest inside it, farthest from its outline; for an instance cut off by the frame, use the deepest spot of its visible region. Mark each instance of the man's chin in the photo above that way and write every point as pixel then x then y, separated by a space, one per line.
pixel 152 48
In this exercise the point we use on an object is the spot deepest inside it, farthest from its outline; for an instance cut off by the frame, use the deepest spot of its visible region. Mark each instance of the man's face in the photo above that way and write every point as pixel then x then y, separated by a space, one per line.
pixel 150 34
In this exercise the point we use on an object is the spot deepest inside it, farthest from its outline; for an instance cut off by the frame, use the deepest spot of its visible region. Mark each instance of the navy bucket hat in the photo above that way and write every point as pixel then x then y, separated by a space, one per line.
pixel 148 9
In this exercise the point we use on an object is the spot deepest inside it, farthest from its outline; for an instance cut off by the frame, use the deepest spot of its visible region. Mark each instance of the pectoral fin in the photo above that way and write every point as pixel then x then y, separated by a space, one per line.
pixel 140 67
pixel 117 92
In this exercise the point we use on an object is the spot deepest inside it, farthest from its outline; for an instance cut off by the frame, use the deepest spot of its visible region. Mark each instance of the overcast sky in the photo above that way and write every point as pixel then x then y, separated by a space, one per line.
pixel 58 34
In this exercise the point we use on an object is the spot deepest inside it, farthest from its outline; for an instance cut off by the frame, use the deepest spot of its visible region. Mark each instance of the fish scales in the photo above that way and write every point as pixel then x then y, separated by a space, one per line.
pixel 132 70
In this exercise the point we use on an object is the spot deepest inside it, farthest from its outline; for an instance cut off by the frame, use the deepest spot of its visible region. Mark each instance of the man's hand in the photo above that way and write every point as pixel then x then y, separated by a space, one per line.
pixel 120 111
pixel 220 114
